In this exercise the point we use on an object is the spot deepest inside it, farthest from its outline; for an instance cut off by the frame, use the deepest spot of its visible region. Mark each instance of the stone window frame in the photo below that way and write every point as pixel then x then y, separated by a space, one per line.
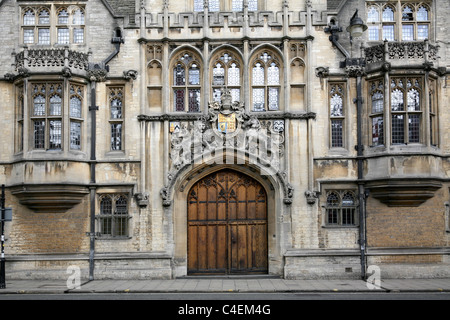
pixel 405 85
pixel 26 117
pixel 377 22
pixel 116 221
pixel 376 94
pixel 185 62
pixel 339 210
pixel 52 24
pixel 427 111
pixel 227 60
pixel 116 94
pixel 77 92
pixel 42 118
pixel 337 88
pixel 266 58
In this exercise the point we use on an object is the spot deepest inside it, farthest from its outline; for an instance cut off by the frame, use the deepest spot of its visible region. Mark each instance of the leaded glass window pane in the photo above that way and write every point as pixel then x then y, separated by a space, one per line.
pixel 198 5
pixel 388 14
pixel 55 105
pixel 398 129
pixel 374 33
pixel 178 99
pixel 78 17
pixel 194 100
pixel 333 202
pixel 75 135
pixel 39 105
pixel 106 222
pixel 337 133
pixel 273 99
pixel 116 136
pixel 422 14
pixel 235 95
pixel 44 17
pixel 106 205
pixel 194 75
pixel 413 100
pixel 377 131
pixel 258 99
pixel 265 57
pixel 233 75
pixel 121 218
pixel 258 75
pixel 252 5
pixel 216 95
pixel 78 35
pixel 63 35
pixel 63 17
pixel 28 36
pixel 39 134
pixel 116 109
pixel 273 74
pixel 336 106
pixel 397 100
pixel 29 18
pixel 55 133
pixel 218 75
pixel 44 36
pixel 122 205
pixel 388 33
pixel 422 31
pixel 179 75
pixel 414 128
pixel 214 5
pixel 407 32
pixel 407 14
pixel 373 15
pixel 237 5
pixel 75 107
pixel 377 102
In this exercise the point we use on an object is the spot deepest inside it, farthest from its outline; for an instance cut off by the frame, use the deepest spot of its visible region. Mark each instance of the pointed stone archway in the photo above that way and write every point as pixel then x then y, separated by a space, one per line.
pixel 227 225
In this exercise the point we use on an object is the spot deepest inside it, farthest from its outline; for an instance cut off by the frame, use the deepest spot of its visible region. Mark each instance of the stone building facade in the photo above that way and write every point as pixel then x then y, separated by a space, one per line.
pixel 159 138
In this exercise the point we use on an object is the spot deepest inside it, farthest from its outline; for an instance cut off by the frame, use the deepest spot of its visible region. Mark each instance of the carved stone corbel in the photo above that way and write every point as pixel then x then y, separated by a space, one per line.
pixel 322 72
pixel 142 199
pixel 130 75
pixel 311 197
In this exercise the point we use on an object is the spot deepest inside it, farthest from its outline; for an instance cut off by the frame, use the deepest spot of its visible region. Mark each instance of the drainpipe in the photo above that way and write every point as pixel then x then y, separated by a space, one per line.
pixel 361 190
pixel 354 67
pixel 116 40
pixel 93 108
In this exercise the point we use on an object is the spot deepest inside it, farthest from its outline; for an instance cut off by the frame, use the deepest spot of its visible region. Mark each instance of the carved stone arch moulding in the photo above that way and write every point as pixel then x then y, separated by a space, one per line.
pixel 225 132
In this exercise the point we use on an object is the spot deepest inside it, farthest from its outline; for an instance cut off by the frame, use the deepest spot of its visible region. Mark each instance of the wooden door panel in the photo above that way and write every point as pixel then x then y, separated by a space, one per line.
pixel 227 225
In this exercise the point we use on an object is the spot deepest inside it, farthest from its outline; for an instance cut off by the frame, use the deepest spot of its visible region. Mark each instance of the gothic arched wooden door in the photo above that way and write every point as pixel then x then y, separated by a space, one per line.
pixel 227 225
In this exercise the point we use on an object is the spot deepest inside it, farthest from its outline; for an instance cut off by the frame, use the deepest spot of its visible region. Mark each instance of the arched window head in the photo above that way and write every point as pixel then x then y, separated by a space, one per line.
pixel 266 82
pixel 29 18
pixel 373 14
pixel 55 105
pixel 44 16
pixel 78 17
pixel 407 13
pixel 388 14
pixel 39 105
pixel 106 205
pixel 186 83
pixel 226 72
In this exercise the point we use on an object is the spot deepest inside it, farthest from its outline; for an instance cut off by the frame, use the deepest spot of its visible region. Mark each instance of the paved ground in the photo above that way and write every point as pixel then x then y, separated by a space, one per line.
pixel 225 285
